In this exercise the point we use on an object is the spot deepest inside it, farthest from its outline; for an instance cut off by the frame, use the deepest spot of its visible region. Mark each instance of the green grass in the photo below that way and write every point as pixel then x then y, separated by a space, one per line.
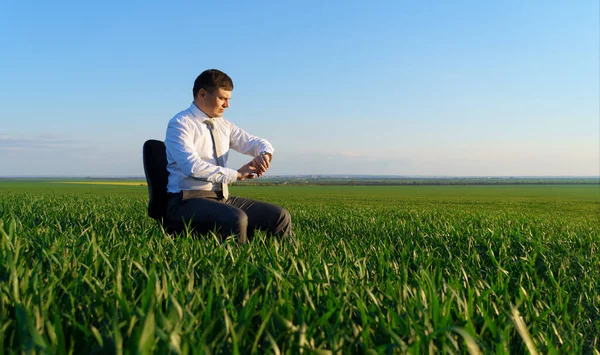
pixel 371 269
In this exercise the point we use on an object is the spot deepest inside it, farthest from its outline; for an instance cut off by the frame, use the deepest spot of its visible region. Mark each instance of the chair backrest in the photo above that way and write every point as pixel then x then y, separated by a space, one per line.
pixel 157 176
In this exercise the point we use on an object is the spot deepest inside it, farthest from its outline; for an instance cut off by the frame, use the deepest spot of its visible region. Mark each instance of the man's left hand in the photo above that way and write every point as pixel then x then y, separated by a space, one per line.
pixel 262 163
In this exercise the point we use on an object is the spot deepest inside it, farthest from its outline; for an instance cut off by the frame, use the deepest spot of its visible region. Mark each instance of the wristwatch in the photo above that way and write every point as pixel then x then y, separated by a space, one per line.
pixel 263 152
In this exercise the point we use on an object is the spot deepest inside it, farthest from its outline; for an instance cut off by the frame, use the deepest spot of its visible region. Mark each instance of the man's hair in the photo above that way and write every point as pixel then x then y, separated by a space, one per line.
pixel 212 79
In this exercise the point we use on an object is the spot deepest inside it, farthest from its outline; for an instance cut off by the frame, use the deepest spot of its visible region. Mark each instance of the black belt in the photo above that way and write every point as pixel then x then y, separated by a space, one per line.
pixel 196 194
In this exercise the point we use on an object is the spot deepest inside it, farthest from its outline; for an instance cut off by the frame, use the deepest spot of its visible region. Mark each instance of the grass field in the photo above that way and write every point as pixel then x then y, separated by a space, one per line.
pixel 421 269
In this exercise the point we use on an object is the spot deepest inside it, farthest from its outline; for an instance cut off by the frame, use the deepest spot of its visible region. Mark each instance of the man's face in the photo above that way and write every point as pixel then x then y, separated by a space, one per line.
pixel 213 104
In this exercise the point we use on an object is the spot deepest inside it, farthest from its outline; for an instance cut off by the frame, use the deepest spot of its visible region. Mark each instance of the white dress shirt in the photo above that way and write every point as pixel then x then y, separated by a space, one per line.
pixel 190 155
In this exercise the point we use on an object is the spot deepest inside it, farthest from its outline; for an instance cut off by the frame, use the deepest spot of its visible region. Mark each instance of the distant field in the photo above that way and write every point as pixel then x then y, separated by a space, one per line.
pixel 422 269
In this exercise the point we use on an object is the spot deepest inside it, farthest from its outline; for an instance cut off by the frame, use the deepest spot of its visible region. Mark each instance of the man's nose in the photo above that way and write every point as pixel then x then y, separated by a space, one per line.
pixel 226 104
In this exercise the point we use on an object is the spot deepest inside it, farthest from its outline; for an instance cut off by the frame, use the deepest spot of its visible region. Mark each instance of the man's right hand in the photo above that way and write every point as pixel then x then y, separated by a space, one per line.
pixel 246 172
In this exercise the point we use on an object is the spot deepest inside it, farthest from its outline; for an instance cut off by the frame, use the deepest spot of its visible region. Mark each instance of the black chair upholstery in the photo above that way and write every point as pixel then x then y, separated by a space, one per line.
pixel 157 176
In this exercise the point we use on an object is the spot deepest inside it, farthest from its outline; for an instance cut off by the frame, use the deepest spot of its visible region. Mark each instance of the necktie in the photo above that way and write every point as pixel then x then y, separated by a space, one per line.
pixel 217 150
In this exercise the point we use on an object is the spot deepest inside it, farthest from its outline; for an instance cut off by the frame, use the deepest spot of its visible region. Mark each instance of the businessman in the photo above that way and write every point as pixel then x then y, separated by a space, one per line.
pixel 198 141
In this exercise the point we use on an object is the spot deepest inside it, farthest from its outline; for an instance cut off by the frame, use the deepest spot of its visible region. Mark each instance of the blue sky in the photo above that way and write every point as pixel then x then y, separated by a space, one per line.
pixel 460 88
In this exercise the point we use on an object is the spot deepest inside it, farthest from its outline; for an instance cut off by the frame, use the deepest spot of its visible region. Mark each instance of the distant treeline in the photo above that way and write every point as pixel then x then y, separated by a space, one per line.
pixel 429 181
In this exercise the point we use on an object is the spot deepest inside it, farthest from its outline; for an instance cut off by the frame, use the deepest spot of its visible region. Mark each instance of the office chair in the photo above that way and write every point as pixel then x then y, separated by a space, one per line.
pixel 157 176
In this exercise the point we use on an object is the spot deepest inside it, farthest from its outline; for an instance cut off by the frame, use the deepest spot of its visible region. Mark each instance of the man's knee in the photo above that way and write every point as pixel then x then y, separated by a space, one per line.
pixel 235 220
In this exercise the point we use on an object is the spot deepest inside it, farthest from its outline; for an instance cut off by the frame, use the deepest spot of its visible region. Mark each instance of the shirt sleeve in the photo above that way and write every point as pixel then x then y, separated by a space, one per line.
pixel 180 144
pixel 245 143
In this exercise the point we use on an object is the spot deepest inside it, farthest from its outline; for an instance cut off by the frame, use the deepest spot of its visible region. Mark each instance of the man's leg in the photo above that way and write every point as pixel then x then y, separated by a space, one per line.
pixel 264 216
pixel 207 213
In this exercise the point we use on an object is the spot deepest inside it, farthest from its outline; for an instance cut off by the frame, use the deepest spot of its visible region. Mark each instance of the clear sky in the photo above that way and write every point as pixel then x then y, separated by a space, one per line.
pixel 457 88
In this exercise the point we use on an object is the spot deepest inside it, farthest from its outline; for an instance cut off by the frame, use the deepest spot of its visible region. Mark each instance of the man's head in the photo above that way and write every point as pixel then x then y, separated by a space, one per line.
pixel 212 91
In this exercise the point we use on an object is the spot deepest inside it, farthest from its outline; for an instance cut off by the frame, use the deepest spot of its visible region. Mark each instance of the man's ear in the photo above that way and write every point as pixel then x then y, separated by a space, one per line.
pixel 201 94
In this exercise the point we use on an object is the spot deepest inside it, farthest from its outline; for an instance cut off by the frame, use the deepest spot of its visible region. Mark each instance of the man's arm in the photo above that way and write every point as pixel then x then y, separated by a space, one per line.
pixel 246 143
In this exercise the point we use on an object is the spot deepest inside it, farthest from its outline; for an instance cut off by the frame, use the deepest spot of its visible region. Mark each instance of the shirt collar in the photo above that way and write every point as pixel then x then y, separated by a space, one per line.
pixel 196 112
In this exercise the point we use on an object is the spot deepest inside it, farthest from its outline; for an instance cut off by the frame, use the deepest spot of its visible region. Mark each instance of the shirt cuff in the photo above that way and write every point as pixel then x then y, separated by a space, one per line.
pixel 231 176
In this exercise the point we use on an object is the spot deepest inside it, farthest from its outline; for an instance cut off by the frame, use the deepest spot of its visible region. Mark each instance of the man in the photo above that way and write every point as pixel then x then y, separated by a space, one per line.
pixel 198 141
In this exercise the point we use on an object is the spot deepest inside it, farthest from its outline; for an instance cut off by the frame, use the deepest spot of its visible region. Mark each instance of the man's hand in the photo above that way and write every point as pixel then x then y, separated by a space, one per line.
pixel 262 163
pixel 246 172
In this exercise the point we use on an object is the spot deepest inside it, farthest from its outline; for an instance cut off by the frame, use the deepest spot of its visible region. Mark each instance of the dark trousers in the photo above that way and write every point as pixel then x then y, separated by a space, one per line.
pixel 237 216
